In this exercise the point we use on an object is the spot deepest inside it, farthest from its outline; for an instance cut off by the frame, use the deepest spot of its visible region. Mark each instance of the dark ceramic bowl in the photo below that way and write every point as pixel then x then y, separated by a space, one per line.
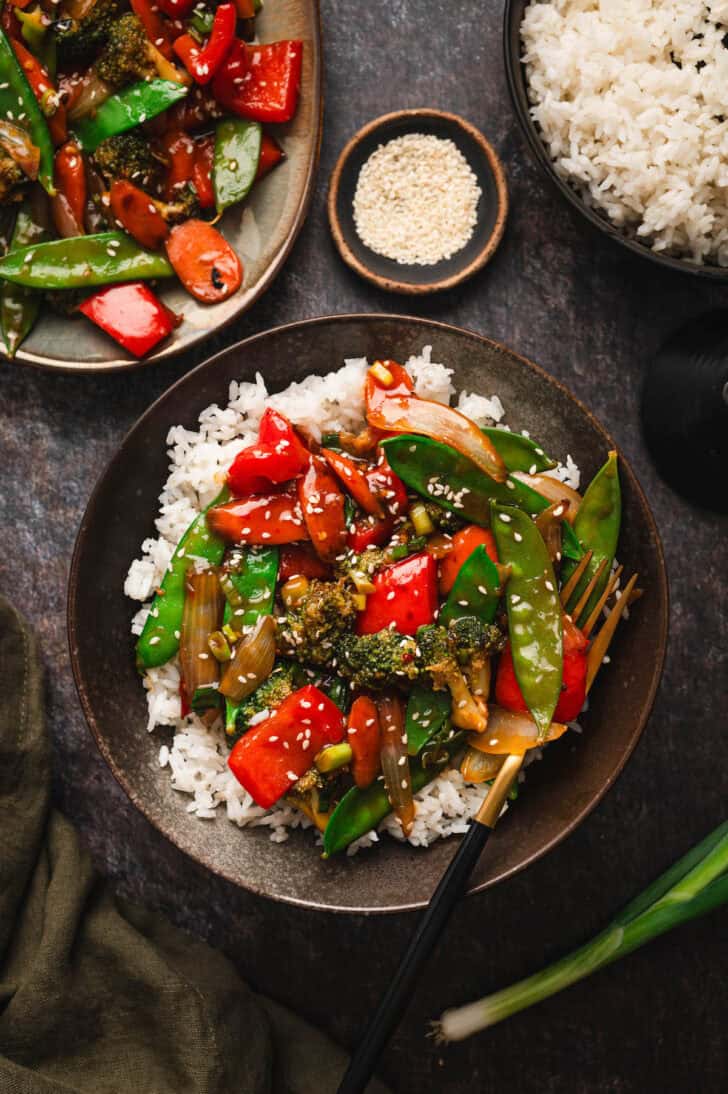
pixel 559 791
pixel 262 230
pixel 518 87
pixel 491 215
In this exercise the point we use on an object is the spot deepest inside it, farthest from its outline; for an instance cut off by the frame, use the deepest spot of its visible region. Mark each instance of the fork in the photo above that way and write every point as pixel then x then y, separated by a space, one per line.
pixel 454 881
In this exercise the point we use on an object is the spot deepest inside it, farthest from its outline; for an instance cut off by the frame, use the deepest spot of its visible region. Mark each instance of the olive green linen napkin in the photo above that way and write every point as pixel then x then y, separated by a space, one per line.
pixel 99 996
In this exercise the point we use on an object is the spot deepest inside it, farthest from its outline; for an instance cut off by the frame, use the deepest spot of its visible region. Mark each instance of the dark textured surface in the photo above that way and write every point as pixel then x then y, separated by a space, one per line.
pixel 591 314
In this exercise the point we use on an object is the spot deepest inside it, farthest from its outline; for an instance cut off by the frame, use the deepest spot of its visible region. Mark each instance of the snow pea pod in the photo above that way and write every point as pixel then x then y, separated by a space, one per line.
pixel 476 590
pixel 597 525
pixel 159 641
pixel 254 581
pixel 19 105
pixel 19 306
pixel 235 165
pixel 534 612
pixel 518 453
pixel 83 262
pixel 442 474
pixel 359 811
pixel 129 108
pixel 427 712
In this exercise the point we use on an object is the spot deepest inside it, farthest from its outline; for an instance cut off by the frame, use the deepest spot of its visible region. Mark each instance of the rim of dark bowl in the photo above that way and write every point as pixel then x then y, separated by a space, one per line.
pixel 517 86
pixel 173 350
pixel 72 622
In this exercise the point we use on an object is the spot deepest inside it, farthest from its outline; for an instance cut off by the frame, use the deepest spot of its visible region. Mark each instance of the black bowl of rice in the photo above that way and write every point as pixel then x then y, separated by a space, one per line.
pixel 624 106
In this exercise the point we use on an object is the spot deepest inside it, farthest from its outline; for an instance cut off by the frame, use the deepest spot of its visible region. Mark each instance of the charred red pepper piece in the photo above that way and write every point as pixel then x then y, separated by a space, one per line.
pixel 202 171
pixel 132 315
pixel 204 261
pixel 179 151
pixel 277 457
pixel 156 28
pixel 274 754
pixel 363 734
pixel 369 532
pixel 203 63
pixel 138 214
pixel 323 509
pixel 271 76
pixel 464 543
pixel 404 597
pixel 573 684
pixel 264 520
pixel 353 478
pixel 300 560
pixel 271 154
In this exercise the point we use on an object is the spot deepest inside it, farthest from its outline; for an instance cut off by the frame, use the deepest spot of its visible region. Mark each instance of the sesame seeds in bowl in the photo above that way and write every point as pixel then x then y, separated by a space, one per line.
pixel 417 201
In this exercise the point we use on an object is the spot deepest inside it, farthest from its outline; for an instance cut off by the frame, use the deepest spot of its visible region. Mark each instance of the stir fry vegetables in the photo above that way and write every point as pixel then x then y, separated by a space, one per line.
pixel 142 123
pixel 365 612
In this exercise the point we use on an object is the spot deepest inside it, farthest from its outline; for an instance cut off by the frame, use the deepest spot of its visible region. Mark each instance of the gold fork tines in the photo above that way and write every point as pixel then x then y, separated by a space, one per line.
pixel 597 611
pixel 575 578
pixel 600 645
pixel 585 596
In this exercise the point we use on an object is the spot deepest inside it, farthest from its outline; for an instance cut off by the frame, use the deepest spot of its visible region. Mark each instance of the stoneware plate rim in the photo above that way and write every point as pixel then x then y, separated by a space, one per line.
pixel 517 86
pixel 491 243
pixel 269 274
pixel 86 529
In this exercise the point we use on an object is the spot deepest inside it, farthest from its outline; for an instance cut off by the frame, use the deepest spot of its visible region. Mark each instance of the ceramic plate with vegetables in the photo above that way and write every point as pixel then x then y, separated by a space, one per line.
pixel 127 131
pixel 360 603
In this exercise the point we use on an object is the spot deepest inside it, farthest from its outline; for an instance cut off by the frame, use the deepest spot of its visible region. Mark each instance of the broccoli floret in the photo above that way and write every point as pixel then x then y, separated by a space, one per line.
pixel 11 176
pixel 282 682
pixel 184 206
pixel 443 519
pixel 314 627
pixel 382 660
pixel 126 56
pixel 455 657
pixel 125 156
pixel 80 39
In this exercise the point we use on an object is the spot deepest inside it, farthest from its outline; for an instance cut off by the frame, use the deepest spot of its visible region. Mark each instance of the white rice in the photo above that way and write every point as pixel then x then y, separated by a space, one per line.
pixel 196 757
pixel 630 97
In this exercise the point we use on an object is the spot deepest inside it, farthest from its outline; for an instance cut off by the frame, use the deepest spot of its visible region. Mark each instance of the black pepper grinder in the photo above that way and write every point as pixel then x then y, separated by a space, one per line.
pixel 685 411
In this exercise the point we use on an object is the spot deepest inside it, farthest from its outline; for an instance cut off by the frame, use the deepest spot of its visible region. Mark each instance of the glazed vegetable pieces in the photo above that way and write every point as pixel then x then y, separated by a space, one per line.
pixel 141 124
pixel 363 610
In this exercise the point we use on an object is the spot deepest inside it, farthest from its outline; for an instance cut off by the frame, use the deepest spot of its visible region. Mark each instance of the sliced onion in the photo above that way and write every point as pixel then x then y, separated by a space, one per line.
pixel 468 712
pixel 549 525
pixel 88 95
pixel 20 148
pixel 552 489
pixel 201 615
pixel 480 767
pixel 395 761
pixel 78 9
pixel 408 414
pixel 510 731
pixel 252 661
pixel 64 217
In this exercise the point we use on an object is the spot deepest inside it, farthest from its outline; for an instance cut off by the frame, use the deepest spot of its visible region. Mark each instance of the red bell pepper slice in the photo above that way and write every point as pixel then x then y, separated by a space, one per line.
pixel 69 176
pixel 138 214
pixel 275 753
pixel 270 78
pixel 573 684
pixel 271 154
pixel 388 487
pixel 375 392
pixel 176 9
pixel 323 510
pixel 264 520
pixel 352 477
pixel 277 457
pixel 300 560
pixel 404 597
pixel 202 171
pixel 178 149
pixel 204 261
pixel 43 88
pixel 132 315
pixel 147 13
pixel 369 532
pixel 464 543
pixel 203 63
pixel 363 735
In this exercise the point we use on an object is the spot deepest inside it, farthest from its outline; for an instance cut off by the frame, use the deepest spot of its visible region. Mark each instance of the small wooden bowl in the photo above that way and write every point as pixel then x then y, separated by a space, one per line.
pixel 492 207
